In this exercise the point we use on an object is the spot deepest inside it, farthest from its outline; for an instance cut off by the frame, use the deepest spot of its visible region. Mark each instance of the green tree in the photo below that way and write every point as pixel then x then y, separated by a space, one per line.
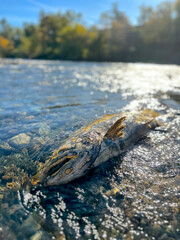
pixel 177 22
pixel 97 45
pixel 157 32
pixel 159 27
pixel 146 14
pixel 118 32
pixel 6 30
pixel 64 36
pixel 73 43
pixel 30 42
pixel 50 26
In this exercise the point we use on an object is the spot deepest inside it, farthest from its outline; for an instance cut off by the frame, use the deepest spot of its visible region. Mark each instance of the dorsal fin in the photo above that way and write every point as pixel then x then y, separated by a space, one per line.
pixel 115 131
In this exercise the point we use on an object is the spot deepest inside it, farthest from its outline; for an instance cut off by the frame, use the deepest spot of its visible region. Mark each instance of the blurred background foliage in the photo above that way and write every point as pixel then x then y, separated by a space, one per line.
pixel 63 36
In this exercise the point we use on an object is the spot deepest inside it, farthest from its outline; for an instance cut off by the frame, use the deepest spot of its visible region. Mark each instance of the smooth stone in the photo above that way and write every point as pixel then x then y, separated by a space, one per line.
pixel 37 236
pixel 5 146
pixel 20 139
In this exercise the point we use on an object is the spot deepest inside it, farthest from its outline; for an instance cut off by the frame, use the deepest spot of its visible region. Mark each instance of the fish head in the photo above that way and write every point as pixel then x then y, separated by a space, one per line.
pixel 71 161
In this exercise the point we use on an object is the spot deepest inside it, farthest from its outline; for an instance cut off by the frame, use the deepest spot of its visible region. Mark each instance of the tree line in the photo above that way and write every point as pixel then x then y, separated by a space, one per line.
pixel 63 36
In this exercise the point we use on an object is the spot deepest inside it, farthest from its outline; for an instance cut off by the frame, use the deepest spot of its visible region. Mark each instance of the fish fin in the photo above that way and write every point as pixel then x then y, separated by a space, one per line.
pixel 115 131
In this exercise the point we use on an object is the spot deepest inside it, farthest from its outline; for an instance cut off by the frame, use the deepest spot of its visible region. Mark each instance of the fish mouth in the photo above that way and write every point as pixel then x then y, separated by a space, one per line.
pixel 53 169
pixel 66 172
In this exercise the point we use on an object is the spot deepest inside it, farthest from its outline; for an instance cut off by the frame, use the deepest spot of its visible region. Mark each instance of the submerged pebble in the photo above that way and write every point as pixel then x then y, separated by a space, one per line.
pixel 44 129
pixel 21 139
pixel 6 147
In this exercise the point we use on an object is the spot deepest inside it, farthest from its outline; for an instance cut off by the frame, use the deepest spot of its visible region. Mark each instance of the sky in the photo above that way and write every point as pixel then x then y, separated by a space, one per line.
pixel 17 12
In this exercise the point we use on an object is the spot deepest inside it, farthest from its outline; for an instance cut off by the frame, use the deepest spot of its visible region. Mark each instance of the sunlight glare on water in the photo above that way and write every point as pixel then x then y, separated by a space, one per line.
pixel 135 196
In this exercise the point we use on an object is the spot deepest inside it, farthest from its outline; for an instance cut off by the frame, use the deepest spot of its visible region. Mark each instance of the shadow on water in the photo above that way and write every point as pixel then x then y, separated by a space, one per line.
pixel 63 106
pixel 175 96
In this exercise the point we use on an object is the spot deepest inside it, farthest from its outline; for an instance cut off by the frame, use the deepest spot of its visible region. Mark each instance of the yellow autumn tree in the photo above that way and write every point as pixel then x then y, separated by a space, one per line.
pixel 5 46
pixel 5 43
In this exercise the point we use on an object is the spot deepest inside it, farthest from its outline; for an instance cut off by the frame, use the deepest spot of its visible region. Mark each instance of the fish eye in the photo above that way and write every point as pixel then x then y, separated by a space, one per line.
pixel 68 171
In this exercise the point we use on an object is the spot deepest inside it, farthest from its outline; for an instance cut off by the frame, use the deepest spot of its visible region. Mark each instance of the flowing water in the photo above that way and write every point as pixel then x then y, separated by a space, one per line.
pixel 136 196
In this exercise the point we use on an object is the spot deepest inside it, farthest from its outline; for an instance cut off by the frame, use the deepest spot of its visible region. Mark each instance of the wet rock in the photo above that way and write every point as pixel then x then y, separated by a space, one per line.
pixel 112 192
pixel 6 148
pixel 31 227
pixel 62 237
pixel 25 153
pixel 119 196
pixel 37 236
pixel 2 190
pixel 21 139
pixel 6 233
pixel 137 218
pixel 13 209
pixel 39 140
pixel 44 130
pixel 155 229
pixel 164 237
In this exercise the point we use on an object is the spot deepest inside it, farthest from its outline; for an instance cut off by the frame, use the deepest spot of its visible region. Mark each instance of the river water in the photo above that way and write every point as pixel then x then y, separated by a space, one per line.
pixel 136 196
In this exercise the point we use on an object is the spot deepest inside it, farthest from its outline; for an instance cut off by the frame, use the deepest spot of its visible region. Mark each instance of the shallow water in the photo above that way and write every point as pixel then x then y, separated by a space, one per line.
pixel 135 196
